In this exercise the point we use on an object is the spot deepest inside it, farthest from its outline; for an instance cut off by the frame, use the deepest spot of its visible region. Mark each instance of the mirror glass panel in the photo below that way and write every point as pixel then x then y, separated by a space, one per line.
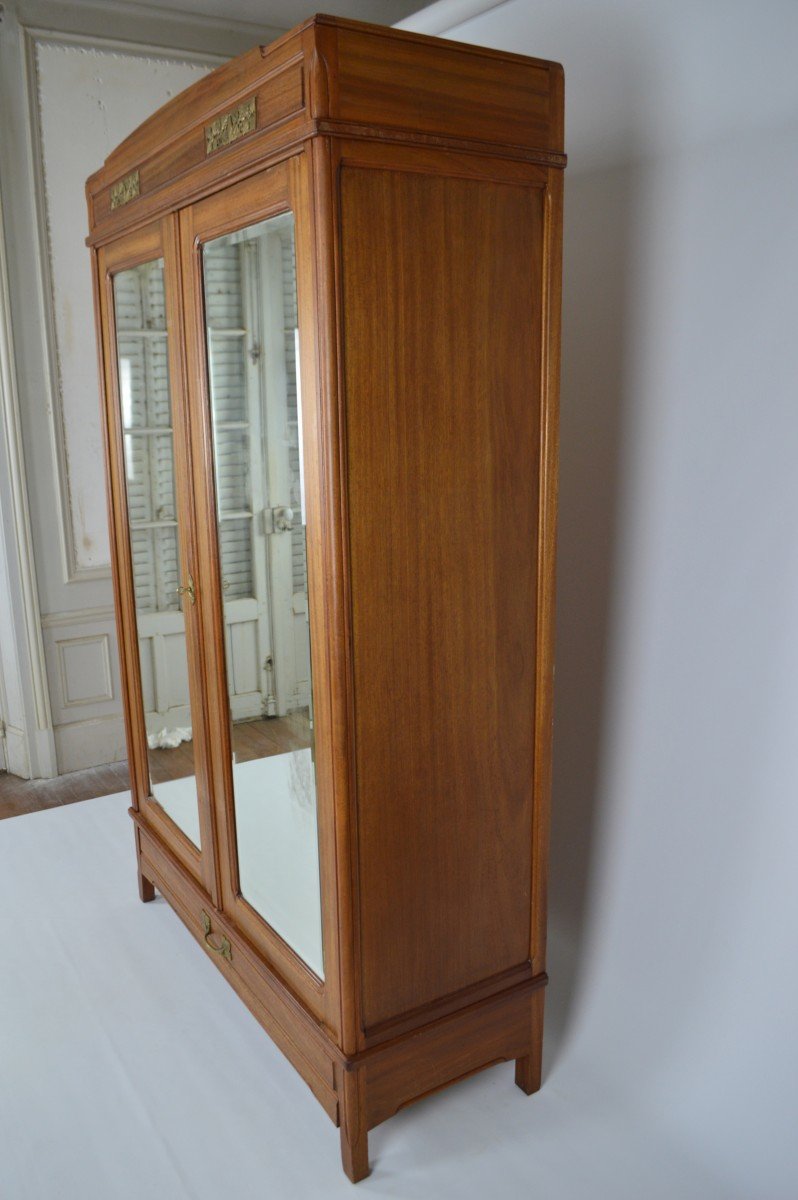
pixel 249 280
pixel 146 413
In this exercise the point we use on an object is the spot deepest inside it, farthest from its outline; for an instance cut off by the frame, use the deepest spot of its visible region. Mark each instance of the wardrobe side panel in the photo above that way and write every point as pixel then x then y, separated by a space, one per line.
pixel 441 316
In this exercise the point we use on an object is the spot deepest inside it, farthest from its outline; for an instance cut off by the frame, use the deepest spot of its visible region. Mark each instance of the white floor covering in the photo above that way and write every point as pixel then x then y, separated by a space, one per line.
pixel 129 1069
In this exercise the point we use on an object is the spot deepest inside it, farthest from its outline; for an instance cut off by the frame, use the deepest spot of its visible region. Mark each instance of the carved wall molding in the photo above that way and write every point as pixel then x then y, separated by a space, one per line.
pixel 79 616
pixel 74 674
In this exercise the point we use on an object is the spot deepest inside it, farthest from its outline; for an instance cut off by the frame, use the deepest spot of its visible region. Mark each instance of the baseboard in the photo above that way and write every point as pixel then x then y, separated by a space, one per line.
pixel 93 743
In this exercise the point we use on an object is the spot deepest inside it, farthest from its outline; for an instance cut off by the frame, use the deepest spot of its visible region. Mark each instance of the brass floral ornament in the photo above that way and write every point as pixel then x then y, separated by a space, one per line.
pixel 125 190
pixel 230 126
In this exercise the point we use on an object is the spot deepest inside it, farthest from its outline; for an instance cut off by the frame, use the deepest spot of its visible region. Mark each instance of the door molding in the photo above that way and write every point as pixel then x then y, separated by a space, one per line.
pixel 35 754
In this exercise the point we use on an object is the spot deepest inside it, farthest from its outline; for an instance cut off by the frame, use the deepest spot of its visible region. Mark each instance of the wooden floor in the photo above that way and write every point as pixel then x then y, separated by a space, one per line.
pixel 251 739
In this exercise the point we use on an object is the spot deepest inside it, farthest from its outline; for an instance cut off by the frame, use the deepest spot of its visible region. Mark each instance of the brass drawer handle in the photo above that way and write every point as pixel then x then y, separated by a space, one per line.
pixel 225 949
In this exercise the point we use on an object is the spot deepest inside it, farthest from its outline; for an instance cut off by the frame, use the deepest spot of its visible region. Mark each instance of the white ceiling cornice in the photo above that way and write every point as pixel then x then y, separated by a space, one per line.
pixel 446 15
pixel 140 24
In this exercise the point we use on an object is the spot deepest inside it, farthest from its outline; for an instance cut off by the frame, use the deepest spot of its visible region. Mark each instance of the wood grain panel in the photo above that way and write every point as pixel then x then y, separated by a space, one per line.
pixel 441 317
pixel 498 1030
pixel 434 86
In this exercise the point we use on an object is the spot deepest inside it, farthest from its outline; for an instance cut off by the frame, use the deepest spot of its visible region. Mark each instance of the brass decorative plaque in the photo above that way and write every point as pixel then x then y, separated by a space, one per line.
pixel 125 190
pixel 231 126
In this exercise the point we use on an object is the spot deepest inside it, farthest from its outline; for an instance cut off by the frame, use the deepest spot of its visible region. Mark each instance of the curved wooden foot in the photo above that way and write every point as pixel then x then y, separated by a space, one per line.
pixel 146 888
pixel 354 1135
pixel 528 1068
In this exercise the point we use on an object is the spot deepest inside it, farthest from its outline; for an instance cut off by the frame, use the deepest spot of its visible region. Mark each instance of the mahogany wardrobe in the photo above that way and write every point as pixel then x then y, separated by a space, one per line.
pixel 327 283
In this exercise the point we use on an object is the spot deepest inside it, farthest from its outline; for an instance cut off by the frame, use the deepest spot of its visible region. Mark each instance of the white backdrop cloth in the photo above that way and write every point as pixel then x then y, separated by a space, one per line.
pixel 129 1068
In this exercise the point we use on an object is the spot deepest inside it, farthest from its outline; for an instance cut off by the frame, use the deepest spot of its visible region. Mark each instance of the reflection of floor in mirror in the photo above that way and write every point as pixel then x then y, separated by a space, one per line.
pixel 251 739
pixel 258 739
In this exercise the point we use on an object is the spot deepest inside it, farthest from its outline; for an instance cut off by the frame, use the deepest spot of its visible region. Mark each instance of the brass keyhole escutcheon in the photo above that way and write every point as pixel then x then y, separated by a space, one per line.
pixel 224 948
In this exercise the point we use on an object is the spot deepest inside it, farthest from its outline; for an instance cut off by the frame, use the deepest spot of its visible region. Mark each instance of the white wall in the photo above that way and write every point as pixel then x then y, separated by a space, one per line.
pixel 88 98
pixel 674 886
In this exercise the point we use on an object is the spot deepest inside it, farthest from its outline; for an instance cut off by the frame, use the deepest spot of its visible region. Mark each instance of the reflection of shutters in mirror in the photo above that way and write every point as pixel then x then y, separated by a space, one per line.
pixel 253 379
pixel 147 421
pixel 144 381
pixel 299 604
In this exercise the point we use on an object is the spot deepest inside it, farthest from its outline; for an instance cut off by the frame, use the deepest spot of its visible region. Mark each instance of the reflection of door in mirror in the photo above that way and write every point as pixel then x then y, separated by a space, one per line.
pixel 146 413
pixel 249 282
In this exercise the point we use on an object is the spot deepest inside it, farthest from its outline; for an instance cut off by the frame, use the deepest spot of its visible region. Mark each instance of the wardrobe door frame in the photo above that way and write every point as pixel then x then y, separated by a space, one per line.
pixel 282 187
pixel 155 241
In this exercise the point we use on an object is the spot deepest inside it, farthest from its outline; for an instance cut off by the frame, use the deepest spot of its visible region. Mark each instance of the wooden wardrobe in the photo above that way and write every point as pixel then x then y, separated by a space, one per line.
pixel 327 284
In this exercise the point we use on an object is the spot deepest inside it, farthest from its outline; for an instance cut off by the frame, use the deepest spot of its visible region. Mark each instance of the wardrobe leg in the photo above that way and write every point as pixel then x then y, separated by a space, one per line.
pixel 146 888
pixel 354 1135
pixel 528 1068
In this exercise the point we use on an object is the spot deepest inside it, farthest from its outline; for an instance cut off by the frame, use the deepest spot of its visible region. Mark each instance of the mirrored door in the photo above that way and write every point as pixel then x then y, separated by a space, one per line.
pixel 146 419
pixel 249 353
